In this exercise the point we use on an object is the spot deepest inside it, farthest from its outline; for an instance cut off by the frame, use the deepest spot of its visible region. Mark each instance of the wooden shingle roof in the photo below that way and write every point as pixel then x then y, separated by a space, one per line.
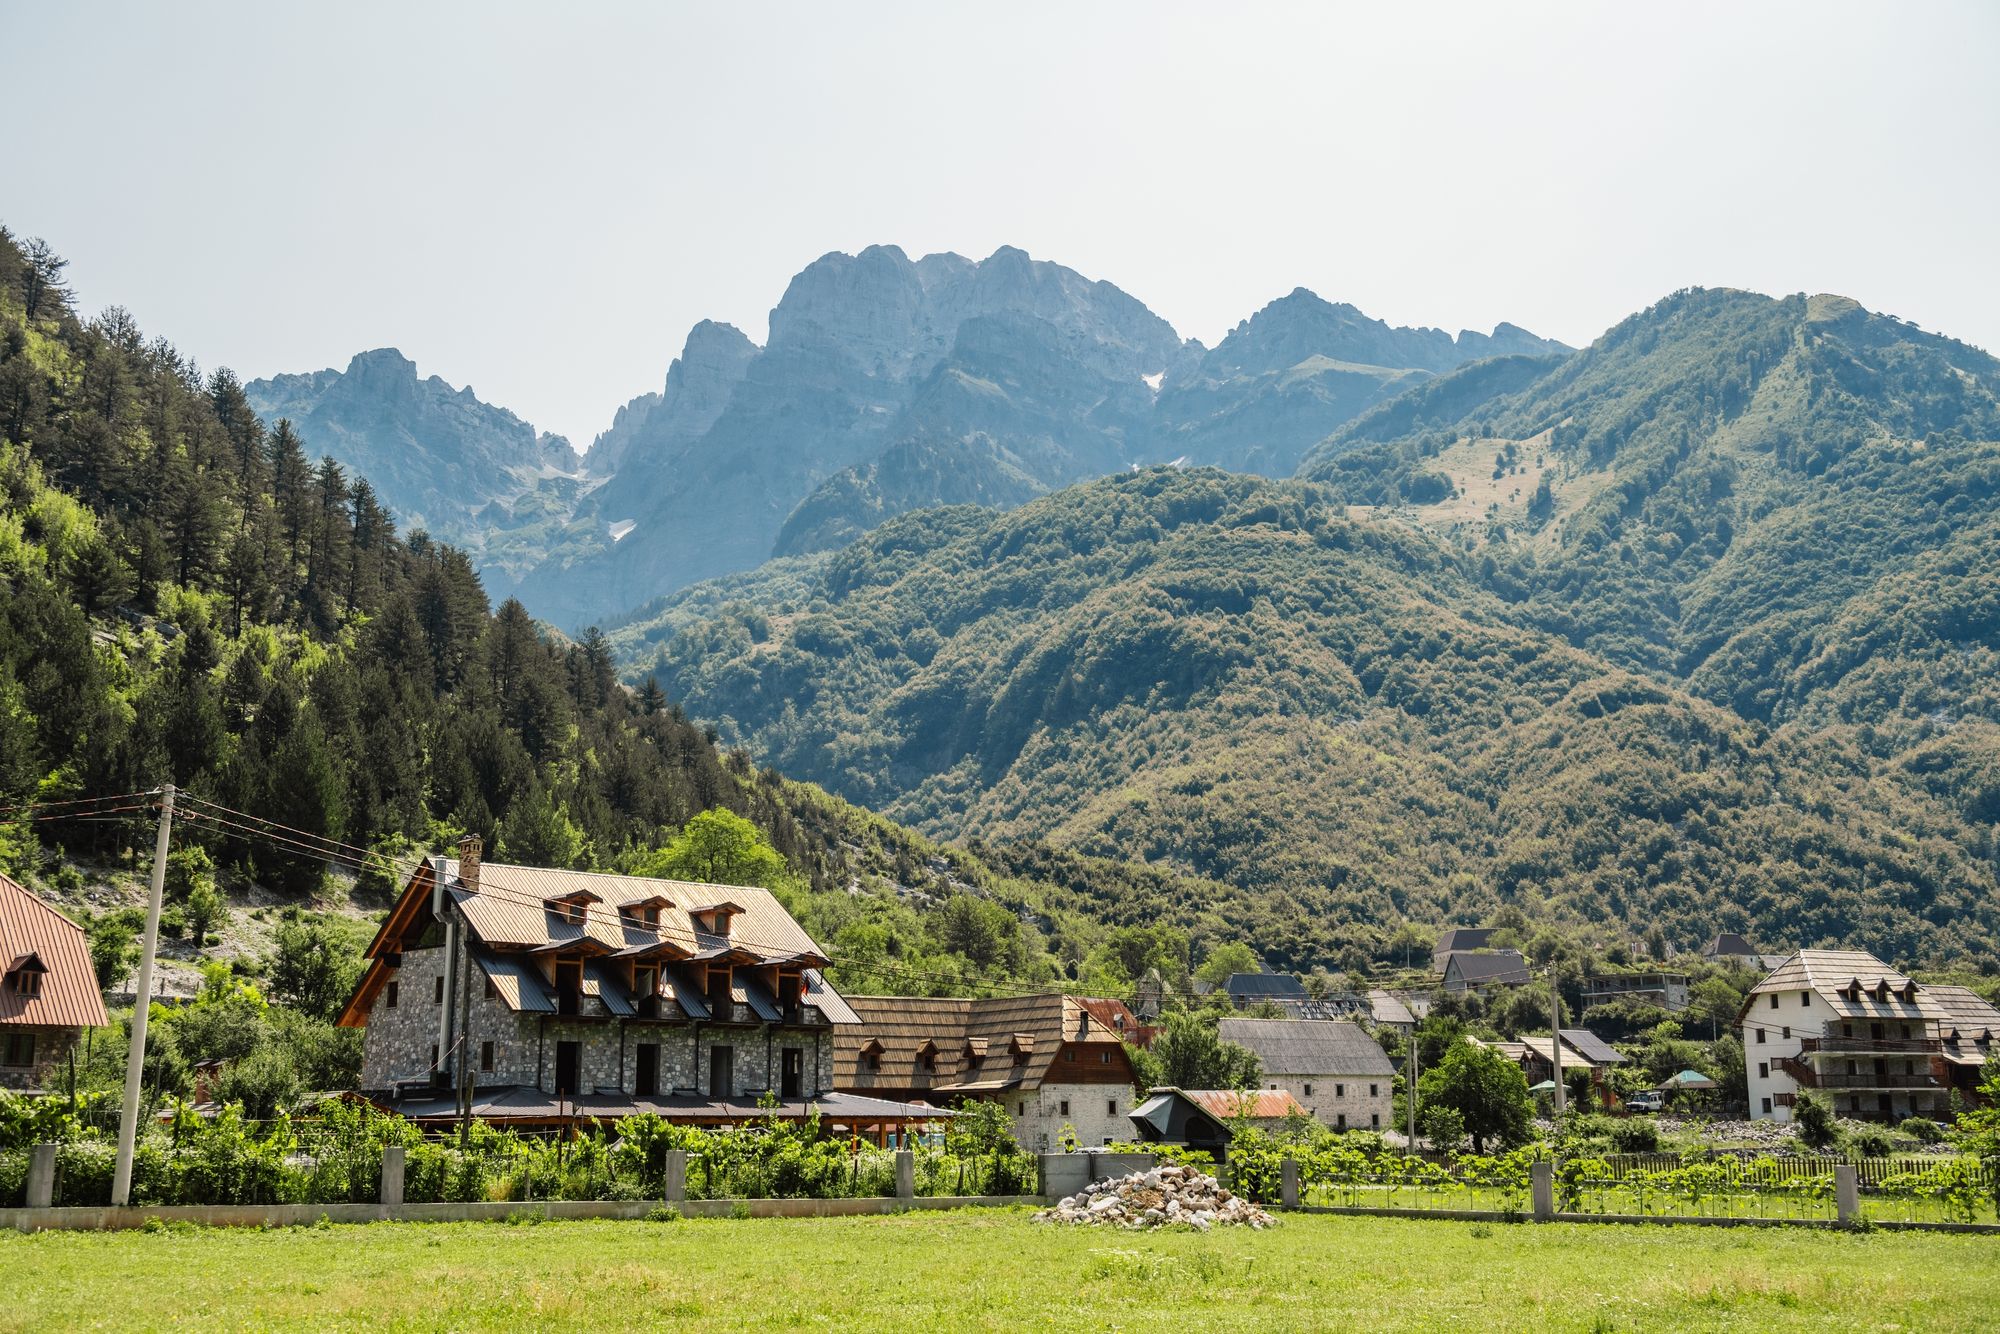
pixel 67 996
pixel 976 1045
pixel 1854 983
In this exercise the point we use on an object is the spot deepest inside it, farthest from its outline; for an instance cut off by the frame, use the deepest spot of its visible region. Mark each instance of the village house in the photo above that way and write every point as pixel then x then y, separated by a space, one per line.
pixel 1052 1061
pixel 1391 1011
pixel 1475 970
pixel 532 997
pixel 1669 991
pixel 1578 1050
pixel 1965 1037
pixel 1460 939
pixel 48 992
pixel 1330 1066
pixel 1207 1118
pixel 1845 1023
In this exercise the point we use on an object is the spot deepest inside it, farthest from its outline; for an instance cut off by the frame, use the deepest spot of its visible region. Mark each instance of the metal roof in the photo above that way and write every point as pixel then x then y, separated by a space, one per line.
pixel 68 996
pixel 1224 1104
pixel 1308 1046
pixel 1486 966
pixel 1389 1009
pixel 1264 984
pixel 507 908
pixel 1592 1047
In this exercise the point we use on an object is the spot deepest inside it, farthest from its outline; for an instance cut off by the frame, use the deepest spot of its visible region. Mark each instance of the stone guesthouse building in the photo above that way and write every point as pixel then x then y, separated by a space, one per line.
pixel 1332 1068
pixel 48 989
pixel 1050 1060
pixel 535 997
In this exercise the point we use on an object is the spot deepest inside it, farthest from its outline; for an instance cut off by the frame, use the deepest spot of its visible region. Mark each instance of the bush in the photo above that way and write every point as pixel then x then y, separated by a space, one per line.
pixel 1871 1142
pixel 1922 1130
pixel 1812 1120
pixel 1636 1134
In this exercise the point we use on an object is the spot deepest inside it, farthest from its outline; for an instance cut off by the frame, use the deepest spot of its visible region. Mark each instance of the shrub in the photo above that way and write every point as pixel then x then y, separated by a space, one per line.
pixel 1870 1142
pixel 1636 1135
pixel 1812 1120
pixel 1922 1130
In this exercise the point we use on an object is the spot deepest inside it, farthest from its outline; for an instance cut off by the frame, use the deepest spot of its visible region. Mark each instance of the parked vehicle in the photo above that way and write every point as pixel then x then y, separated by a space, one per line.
pixel 1652 1100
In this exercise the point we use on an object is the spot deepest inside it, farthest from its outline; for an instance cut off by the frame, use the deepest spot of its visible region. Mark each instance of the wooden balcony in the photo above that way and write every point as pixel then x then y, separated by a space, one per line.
pixel 1859 1046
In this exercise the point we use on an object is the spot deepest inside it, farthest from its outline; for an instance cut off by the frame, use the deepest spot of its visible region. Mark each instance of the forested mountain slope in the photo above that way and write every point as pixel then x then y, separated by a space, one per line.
pixel 441 460
pixel 1338 719
pixel 185 597
pixel 1788 505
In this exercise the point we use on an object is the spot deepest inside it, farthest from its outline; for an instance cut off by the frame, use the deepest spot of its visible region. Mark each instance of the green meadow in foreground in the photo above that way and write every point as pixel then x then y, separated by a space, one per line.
pixel 996 1270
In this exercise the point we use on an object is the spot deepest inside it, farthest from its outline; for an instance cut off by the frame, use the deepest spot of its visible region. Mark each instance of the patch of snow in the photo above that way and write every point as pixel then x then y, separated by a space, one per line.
pixel 622 527
pixel 1153 380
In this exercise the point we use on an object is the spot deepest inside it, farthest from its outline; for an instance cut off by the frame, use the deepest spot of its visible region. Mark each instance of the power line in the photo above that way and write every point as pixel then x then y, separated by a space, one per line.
pixel 335 852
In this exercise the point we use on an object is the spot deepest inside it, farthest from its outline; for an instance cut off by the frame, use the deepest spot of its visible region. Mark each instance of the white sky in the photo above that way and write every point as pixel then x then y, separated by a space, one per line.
pixel 541 203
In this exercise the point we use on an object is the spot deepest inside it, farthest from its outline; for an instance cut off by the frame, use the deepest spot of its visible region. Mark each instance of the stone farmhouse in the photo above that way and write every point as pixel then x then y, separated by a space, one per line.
pixel 48 993
pixel 1332 1068
pixel 1050 1060
pixel 533 997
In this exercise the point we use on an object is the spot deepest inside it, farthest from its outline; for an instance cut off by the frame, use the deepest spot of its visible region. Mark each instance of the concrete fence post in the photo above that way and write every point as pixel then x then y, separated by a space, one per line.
pixel 392 1175
pixel 1544 1177
pixel 677 1175
pixel 1288 1183
pixel 41 1176
pixel 1846 1194
pixel 906 1175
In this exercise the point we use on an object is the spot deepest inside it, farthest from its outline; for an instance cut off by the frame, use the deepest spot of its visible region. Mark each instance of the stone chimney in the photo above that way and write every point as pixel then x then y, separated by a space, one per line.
pixel 468 862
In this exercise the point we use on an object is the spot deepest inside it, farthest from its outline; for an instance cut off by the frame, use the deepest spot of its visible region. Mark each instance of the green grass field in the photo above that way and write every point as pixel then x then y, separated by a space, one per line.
pixel 996 1270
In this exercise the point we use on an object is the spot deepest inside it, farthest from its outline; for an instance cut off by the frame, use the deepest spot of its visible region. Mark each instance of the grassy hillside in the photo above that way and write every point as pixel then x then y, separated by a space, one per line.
pixel 1339 720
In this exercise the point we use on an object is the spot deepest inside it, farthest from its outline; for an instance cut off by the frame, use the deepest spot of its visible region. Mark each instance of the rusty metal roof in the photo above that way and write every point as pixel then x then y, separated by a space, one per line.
pixel 1223 1104
pixel 68 996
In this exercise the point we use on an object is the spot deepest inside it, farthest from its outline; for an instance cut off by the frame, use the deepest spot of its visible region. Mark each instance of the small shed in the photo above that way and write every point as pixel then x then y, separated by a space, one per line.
pixel 1203 1118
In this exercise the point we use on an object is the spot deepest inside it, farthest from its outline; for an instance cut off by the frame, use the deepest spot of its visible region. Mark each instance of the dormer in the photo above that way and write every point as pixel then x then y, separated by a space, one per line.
pixel 24 975
pixel 974 1054
pixel 644 914
pixel 1852 991
pixel 714 919
pixel 1021 1047
pixel 573 907
pixel 1909 992
pixel 1882 992
pixel 871 1055
pixel 927 1056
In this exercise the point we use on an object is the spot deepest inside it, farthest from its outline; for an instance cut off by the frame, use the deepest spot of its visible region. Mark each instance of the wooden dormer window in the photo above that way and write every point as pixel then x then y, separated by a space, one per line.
pixel 927 1057
pixel 975 1053
pixel 715 918
pixel 871 1055
pixel 645 913
pixel 27 982
pixel 574 907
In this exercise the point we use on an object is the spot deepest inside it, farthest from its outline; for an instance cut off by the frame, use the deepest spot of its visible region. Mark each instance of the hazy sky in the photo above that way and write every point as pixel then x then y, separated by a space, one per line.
pixel 541 202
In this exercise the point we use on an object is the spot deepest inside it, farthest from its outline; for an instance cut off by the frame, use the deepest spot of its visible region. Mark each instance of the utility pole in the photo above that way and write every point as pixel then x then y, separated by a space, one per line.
pixel 1411 1147
pixel 1556 1038
pixel 142 1003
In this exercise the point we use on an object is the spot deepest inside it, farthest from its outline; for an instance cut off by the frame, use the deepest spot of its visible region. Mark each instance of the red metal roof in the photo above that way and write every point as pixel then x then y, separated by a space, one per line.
pixel 1265 1104
pixel 68 996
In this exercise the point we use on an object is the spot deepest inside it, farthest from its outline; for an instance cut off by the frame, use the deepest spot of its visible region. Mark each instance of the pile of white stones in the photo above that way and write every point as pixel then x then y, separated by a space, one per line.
pixel 1159 1198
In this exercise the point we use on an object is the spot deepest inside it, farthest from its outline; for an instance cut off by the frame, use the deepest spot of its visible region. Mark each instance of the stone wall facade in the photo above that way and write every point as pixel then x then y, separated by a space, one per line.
pixel 52 1047
pixel 1342 1102
pixel 401 1039
pixel 1100 1113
